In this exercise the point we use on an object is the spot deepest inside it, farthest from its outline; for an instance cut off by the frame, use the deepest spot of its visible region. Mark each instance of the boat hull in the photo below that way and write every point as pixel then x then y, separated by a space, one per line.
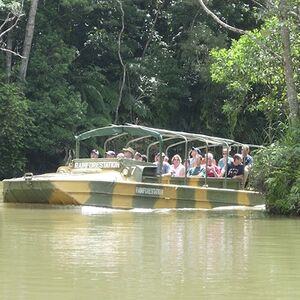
pixel 125 195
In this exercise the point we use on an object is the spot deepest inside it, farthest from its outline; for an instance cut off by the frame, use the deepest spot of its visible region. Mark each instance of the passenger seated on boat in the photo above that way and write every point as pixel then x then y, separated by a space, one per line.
pixel 166 168
pixel 247 158
pixel 225 159
pixel 247 162
pixel 128 153
pixel 177 168
pixel 212 169
pixel 110 154
pixel 198 169
pixel 194 153
pixel 235 169
pixel 120 155
pixel 138 156
pixel 144 158
pixel 214 162
pixel 94 153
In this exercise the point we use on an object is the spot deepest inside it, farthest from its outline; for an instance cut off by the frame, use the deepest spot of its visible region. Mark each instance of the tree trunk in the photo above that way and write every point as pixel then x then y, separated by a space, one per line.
pixel 288 63
pixel 28 39
pixel 122 64
pixel 9 55
pixel 158 11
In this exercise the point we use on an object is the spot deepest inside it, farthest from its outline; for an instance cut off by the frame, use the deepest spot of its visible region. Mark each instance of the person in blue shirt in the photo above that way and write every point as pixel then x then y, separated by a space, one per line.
pixel 226 158
pixel 247 158
pixel 247 162
pixel 166 168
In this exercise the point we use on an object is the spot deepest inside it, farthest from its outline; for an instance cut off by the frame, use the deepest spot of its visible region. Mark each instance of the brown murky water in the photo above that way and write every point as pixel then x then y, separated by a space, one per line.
pixel 51 252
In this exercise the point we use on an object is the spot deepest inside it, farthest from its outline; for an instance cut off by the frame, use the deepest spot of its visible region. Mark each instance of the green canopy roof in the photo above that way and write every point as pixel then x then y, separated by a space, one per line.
pixel 161 135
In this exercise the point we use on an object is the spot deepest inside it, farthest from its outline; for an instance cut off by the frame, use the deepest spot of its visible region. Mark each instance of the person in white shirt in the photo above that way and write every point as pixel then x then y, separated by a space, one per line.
pixel 177 168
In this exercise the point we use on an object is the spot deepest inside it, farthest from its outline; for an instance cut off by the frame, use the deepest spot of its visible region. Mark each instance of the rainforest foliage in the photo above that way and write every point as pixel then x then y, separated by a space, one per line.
pixel 277 173
pixel 73 65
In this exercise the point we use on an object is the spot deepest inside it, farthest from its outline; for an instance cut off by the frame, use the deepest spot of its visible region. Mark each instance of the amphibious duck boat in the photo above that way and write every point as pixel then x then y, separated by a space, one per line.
pixel 127 183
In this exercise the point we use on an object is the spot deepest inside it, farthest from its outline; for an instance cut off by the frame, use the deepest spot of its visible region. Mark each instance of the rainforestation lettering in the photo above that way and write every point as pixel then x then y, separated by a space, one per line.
pixel 97 165
pixel 148 191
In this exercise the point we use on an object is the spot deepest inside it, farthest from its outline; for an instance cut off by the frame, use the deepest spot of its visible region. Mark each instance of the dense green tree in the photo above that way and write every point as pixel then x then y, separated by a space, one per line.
pixel 260 69
pixel 75 74
pixel 15 129
pixel 255 75
pixel 277 173
pixel 56 107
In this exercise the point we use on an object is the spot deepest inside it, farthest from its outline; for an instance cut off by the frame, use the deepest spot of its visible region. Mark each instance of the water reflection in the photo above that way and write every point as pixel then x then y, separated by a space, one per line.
pixel 77 253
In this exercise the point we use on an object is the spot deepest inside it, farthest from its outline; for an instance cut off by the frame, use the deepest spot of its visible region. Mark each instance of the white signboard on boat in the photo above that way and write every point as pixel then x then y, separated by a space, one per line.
pixel 148 191
pixel 97 165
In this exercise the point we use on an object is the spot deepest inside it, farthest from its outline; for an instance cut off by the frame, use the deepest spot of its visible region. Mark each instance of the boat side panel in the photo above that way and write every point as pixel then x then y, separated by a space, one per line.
pixel 125 194
pixel 131 195
pixel 70 193
pixel 98 192
pixel 251 199
pixel 167 198
pixel 26 192
pixel 200 195
pixel 186 197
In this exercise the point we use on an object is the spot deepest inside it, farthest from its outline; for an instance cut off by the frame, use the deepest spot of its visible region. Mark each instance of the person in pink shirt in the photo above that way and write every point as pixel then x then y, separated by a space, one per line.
pixel 212 169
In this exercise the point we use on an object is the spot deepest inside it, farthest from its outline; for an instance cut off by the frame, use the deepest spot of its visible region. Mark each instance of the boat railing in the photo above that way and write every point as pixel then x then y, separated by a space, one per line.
pixel 214 182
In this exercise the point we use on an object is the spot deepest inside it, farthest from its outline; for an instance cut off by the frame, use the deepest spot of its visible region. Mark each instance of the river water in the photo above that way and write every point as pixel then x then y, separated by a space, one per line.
pixel 52 252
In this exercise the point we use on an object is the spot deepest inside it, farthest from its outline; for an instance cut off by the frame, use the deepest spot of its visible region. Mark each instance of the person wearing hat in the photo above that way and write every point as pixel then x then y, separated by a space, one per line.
pixel 195 152
pixel 110 154
pixel 235 169
pixel 94 153
pixel 198 170
pixel 128 153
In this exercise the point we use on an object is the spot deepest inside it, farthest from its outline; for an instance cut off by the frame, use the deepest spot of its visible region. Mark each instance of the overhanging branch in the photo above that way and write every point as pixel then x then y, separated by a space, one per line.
pixel 218 20
pixel 12 52
pixel 239 31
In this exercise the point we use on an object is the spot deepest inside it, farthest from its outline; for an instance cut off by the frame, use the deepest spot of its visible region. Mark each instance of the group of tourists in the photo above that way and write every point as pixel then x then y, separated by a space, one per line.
pixel 197 165
pixel 127 153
